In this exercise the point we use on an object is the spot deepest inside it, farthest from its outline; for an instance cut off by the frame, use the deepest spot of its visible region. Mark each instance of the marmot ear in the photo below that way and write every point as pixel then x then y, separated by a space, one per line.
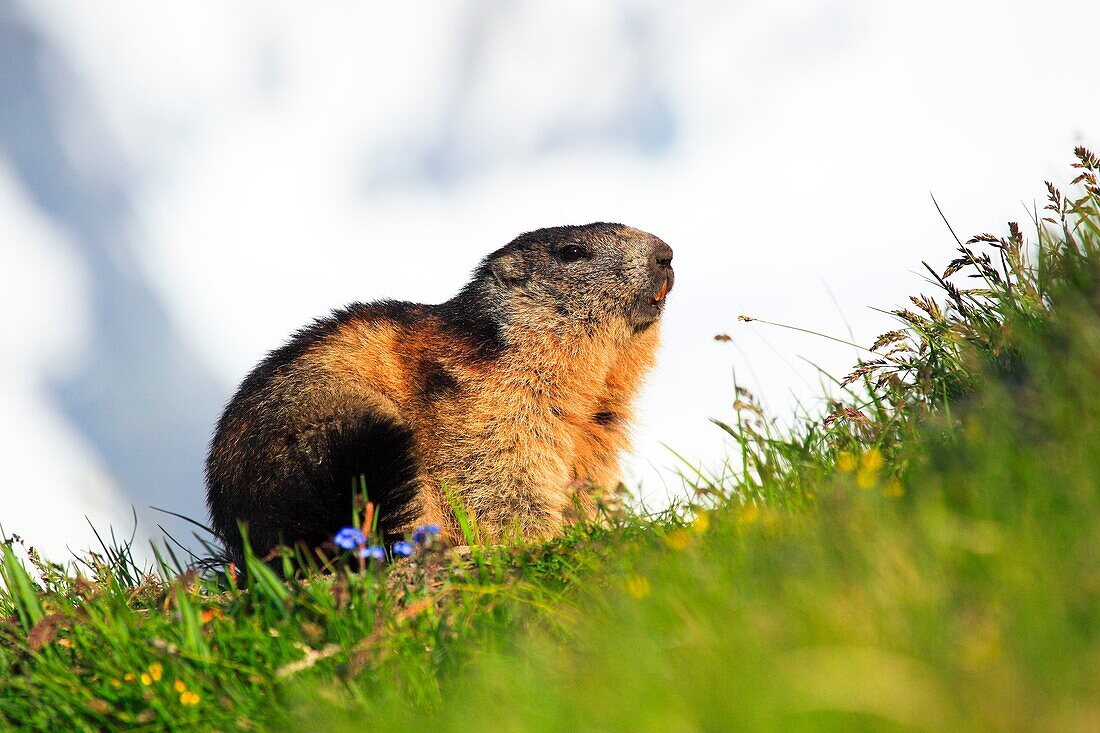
pixel 510 268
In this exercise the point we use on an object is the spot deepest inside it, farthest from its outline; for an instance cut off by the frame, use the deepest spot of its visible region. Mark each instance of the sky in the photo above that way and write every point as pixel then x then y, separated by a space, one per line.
pixel 184 185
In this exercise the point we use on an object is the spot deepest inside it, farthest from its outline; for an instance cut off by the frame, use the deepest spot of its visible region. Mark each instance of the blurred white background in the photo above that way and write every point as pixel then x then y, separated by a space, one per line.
pixel 184 184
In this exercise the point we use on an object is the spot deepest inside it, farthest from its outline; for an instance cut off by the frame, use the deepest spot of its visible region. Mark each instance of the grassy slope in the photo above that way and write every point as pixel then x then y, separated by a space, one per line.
pixel 924 558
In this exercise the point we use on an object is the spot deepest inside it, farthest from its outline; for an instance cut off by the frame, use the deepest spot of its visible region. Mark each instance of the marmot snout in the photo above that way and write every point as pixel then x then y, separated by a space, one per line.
pixel 514 397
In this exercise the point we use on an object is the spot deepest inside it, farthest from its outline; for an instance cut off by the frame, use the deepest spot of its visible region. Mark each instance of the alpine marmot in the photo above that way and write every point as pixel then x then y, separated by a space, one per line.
pixel 512 395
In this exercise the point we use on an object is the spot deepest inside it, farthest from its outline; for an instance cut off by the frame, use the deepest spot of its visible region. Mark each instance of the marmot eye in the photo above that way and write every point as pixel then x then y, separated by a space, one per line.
pixel 572 253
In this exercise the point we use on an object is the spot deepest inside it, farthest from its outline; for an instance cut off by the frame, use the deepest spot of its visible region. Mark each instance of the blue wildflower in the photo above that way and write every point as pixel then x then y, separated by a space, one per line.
pixel 426 534
pixel 373 552
pixel 349 538
pixel 403 548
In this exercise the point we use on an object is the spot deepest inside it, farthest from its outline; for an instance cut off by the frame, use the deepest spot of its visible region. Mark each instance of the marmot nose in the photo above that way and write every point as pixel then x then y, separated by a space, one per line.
pixel 662 255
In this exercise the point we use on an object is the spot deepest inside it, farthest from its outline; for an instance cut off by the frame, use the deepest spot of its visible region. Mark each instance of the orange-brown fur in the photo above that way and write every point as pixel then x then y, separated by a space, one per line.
pixel 528 418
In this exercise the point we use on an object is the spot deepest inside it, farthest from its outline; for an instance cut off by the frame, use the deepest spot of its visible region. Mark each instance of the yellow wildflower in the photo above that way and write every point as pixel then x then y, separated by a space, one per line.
pixel 180 686
pixel 156 671
pixel 846 462
pixel 872 461
pixel 129 677
pixel 893 489
pixel 146 679
pixel 116 683
pixel 637 586
pixel 189 698
pixel 678 539
pixel 701 523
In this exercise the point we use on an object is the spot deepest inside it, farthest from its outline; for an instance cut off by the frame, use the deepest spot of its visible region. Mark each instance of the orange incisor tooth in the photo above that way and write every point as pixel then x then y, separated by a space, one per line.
pixel 662 292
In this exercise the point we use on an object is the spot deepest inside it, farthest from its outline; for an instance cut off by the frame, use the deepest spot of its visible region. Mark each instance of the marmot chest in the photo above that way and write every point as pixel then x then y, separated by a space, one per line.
pixel 470 416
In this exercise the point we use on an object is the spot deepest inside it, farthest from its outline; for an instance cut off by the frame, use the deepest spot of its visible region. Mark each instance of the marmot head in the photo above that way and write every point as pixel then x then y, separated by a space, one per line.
pixel 587 275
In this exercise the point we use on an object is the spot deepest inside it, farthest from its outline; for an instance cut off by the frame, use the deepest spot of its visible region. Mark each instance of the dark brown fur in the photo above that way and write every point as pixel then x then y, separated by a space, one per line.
pixel 512 394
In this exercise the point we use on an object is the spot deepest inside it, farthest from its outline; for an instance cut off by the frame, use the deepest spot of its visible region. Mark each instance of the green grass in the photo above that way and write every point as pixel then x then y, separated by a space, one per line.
pixel 924 556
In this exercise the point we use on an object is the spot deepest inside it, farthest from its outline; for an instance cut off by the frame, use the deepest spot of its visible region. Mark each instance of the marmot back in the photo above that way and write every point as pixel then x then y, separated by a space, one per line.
pixel 515 394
